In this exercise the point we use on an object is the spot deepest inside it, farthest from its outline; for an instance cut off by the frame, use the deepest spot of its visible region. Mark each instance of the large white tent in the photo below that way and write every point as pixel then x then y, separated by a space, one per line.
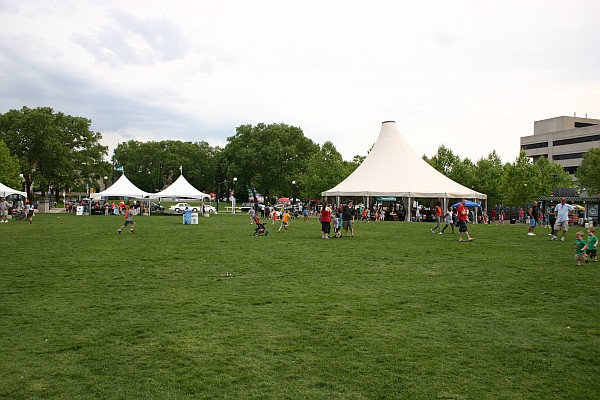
pixel 392 168
pixel 121 188
pixel 6 191
pixel 181 188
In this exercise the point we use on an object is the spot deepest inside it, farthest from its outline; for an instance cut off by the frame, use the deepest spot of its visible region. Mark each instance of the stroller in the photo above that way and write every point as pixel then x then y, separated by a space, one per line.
pixel 260 227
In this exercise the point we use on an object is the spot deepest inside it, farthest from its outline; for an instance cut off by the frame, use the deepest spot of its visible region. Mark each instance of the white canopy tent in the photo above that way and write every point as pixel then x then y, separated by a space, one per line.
pixel 121 188
pixel 392 168
pixel 181 188
pixel 6 191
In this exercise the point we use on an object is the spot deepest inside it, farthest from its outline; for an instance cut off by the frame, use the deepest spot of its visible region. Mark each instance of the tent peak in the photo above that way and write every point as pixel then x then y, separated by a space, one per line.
pixel 388 122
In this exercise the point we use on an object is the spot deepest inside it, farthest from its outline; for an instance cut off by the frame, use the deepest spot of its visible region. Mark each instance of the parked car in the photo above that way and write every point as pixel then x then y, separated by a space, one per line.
pixel 180 207
pixel 246 207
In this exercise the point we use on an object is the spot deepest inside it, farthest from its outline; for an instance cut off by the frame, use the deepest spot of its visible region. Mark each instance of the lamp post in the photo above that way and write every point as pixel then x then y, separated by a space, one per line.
pixel 294 192
pixel 219 193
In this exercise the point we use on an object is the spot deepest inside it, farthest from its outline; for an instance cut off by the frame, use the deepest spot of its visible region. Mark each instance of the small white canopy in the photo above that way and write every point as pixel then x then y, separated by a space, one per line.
pixel 6 191
pixel 181 188
pixel 121 188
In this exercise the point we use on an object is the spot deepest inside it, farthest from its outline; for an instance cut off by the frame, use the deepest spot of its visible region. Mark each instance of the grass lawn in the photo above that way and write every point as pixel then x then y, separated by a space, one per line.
pixel 210 311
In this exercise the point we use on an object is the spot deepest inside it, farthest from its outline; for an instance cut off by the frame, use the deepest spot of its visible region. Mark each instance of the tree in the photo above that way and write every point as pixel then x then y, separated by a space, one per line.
pixel 53 149
pixel 266 157
pixel 522 181
pixel 588 172
pixel 488 178
pixel 444 160
pixel 552 176
pixel 325 169
pixel 151 165
pixel 9 168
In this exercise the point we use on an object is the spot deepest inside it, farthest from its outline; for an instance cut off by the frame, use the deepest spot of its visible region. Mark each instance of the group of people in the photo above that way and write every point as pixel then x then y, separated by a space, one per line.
pixel 20 208
pixel 450 219
pixel 342 218
pixel 558 217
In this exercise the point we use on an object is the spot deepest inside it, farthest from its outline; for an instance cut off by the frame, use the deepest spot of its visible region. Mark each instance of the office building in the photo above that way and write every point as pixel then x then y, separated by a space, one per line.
pixel 563 140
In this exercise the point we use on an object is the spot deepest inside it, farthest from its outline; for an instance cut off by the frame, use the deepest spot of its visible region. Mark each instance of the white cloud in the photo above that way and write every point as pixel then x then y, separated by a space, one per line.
pixel 465 74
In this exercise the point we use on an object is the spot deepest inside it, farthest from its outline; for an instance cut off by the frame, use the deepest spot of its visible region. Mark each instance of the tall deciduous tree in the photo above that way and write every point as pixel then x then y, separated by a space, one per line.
pixel 552 176
pixel 488 178
pixel 53 148
pixel 266 157
pixel 325 169
pixel 9 168
pixel 152 165
pixel 522 181
pixel 444 160
pixel 588 172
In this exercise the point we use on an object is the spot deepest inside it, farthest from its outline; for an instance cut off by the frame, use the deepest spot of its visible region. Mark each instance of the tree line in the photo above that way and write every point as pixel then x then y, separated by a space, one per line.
pixel 42 150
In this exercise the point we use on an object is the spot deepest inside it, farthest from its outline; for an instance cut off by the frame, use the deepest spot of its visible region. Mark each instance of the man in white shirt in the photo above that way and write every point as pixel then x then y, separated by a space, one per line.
pixel 4 210
pixel 562 211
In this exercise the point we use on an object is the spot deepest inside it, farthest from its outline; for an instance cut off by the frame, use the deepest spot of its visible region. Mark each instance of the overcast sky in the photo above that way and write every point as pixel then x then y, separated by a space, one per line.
pixel 472 75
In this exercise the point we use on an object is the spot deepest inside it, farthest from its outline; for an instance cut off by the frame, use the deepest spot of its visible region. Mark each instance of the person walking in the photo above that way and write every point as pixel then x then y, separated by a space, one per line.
pixel 4 210
pixel 30 212
pixel 534 215
pixel 562 211
pixel 348 214
pixel 438 218
pixel 128 221
pixel 551 220
pixel 325 221
pixel 580 247
pixel 592 245
pixel 463 215
pixel 285 221
pixel 449 219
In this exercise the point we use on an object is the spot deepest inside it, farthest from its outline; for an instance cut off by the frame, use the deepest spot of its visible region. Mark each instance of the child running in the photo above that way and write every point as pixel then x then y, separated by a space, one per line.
pixel 285 220
pixel 592 245
pixel 580 245
pixel 128 221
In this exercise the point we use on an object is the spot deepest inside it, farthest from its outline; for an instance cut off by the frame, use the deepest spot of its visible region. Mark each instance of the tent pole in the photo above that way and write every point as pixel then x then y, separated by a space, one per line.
pixel 408 216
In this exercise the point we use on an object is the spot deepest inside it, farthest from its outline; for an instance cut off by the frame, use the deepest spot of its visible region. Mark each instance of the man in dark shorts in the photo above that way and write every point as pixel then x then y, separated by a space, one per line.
pixel 348 213
pixel 463 214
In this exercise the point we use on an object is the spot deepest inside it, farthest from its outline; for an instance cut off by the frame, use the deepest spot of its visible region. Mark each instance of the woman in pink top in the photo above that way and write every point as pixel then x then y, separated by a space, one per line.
pixel 325 221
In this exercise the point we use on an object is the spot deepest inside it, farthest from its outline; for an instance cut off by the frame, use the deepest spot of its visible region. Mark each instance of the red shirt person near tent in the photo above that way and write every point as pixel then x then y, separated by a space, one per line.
pixel 463 215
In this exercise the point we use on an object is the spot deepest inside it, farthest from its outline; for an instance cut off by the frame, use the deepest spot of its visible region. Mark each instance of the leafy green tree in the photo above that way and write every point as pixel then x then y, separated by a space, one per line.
pixel 53 148
pixel 522 181
pixel 266 157
pixel 444 160
pixel 488 178
pixel 325 169
pixel 151 165
pixel 552 176
pixel 588 172
pixel 9 168
pixel 463 172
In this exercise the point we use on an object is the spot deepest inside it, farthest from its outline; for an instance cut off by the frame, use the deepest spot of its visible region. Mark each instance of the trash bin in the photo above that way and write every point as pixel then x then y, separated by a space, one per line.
pixel 513 220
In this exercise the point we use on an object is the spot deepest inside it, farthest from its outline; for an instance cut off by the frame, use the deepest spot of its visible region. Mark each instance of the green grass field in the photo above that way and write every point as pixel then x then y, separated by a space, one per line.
pixel 210 311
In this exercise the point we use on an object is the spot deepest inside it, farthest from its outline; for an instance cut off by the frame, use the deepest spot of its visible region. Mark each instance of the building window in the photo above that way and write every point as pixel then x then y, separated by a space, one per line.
pixel 569 156
pixel 582 139
pixel 534 146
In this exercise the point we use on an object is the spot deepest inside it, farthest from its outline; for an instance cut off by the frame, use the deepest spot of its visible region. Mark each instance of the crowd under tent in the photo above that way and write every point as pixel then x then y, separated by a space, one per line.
pixel 122 188
pixel 393 169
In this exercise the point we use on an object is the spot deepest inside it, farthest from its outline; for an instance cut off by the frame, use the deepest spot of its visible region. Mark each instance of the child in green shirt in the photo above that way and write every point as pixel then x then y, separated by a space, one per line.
pixel 592 245
pixel 580 245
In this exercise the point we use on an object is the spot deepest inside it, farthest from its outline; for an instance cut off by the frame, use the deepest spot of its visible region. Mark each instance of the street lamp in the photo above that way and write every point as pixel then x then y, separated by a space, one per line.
pixel 294 192
pixel 234 180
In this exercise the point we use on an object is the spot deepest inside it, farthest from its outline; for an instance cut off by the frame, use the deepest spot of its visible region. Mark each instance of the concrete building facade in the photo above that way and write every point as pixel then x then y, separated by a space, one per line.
pixel 563 140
